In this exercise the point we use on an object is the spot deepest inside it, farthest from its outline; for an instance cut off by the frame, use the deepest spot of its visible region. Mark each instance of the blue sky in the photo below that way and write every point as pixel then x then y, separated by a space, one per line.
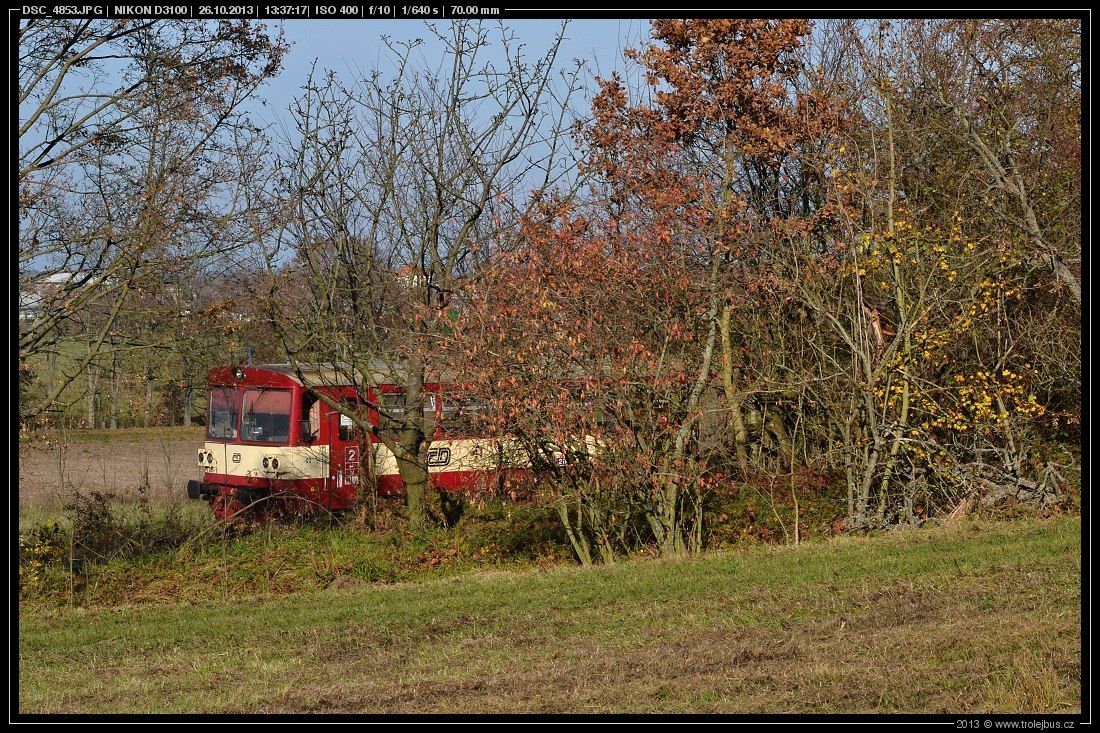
pixel 344 45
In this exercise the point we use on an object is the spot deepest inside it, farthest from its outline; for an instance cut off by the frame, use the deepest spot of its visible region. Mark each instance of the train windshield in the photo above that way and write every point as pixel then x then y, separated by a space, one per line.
pixel 225 406
pixel 266 415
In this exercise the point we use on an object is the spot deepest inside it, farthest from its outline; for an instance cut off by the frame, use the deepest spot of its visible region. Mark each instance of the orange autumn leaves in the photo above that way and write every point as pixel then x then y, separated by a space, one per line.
pixel 616 287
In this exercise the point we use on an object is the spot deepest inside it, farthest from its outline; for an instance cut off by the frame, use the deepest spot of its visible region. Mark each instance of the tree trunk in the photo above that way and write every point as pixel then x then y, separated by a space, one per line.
pixel 775 426
pixel 187 392
pixel 415 440
pixel 737 420
pixel 114 394
pixel 148 394
pixel 93 385
pixel 575 532
pixel 415 477
pixel 666 516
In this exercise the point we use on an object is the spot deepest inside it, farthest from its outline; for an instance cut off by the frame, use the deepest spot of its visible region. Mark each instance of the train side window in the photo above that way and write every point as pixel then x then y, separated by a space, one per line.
pixel 393 404
pixel 593 401
pixel 463 414
pixel 349 431
pixel 311 418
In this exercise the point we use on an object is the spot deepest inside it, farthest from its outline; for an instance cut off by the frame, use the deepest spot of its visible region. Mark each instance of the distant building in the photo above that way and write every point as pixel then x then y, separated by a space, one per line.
pixel 408 276
pixel 35 296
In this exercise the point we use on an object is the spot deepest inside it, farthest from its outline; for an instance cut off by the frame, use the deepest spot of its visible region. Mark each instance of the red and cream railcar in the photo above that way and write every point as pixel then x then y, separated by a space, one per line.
pixel 270 435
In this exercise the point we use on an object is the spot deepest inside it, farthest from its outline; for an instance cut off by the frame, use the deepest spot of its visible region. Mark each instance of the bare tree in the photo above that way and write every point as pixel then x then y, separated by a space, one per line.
pixel 1012 90
pixel 400 184
pixel 127 142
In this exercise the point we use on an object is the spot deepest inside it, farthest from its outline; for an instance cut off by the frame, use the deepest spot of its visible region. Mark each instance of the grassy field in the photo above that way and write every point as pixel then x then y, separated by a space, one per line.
pixel 981 617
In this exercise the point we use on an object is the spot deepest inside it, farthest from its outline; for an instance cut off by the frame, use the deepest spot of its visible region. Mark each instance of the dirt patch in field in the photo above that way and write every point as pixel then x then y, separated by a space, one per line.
pixel 50 470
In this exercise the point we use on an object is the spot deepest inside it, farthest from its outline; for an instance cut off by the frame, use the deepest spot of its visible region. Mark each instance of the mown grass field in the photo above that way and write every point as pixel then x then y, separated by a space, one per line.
pixel 980 617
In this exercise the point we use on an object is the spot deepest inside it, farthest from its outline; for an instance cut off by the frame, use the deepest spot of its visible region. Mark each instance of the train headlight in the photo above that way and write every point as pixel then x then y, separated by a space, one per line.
pixel 266 462
pixel 275 463
pixel 210 458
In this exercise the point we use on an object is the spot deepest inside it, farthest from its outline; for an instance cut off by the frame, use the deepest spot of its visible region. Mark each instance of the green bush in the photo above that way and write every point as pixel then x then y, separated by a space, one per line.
pixel 42 548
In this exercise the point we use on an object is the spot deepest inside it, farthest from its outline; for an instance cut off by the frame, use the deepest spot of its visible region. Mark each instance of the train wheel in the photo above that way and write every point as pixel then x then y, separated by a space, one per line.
pixel 257 502
pixel 226 506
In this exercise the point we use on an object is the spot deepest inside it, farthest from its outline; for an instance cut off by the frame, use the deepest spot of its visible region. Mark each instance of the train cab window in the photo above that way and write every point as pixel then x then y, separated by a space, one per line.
pixel 225 408
pixel 266 415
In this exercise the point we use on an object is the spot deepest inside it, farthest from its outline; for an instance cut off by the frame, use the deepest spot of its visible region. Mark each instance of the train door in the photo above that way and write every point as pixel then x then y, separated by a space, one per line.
pixel 347 461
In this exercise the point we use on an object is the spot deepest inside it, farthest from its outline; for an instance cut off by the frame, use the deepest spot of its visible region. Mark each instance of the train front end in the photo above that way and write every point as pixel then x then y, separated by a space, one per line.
pixel 260 449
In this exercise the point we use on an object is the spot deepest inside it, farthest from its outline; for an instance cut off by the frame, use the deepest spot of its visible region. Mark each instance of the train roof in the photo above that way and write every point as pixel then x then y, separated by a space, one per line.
pixel 336 374
pixel 342 374
pixel 328 374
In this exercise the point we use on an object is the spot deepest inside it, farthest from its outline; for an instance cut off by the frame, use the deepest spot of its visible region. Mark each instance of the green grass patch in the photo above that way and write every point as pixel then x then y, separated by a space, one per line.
pixel 201 558
pixel 936 620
